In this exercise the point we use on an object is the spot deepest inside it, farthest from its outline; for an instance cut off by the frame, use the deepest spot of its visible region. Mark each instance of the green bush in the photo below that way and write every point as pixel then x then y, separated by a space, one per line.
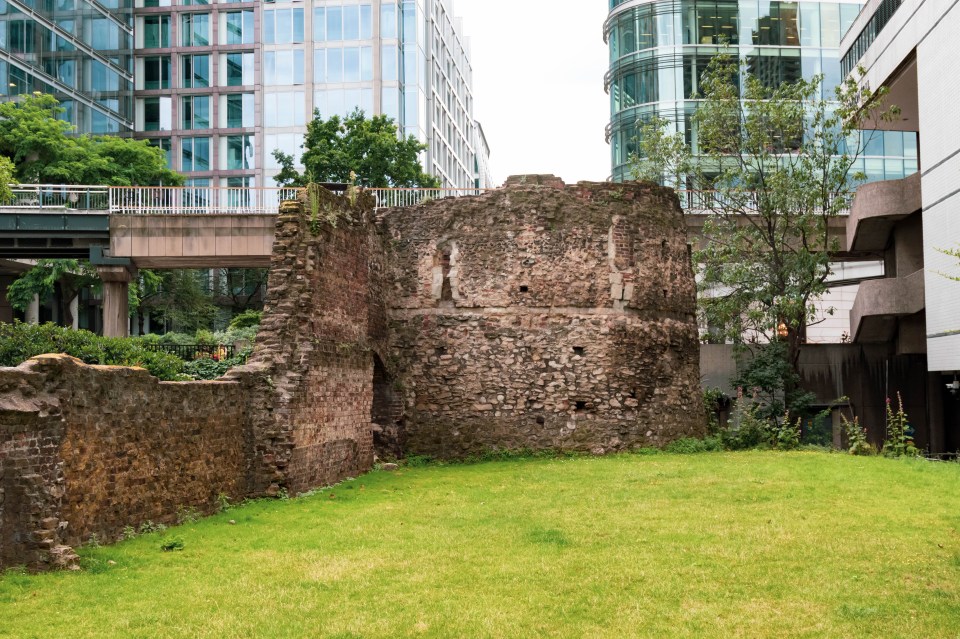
pixel 19 342
pixel 209 368
pixel 246 319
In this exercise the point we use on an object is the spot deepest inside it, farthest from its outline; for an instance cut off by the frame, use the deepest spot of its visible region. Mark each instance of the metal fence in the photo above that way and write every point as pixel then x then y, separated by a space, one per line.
pixel 59 197
pixel 389 198
pixel 190 352
pixel 197 200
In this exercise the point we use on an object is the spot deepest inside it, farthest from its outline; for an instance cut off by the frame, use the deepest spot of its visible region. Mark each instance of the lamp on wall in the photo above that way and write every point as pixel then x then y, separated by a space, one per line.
pixel 954 386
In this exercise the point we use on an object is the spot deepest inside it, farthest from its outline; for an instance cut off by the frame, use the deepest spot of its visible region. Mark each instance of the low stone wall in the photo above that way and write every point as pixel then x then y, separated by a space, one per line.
pixel 544 316
pixel 86 451
pixel 90 450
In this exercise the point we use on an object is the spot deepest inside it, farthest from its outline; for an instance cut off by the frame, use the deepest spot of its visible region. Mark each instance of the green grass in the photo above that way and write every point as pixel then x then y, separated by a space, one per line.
pixel 758 544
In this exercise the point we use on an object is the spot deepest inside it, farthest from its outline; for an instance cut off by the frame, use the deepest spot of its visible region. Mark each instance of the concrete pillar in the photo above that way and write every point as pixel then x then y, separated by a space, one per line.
pixel 74 311
pixel 116 311
pixel 936 420
pixel 32 314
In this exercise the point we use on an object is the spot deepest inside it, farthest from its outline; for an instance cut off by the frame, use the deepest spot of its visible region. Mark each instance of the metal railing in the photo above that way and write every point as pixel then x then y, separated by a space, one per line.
pixel 389 198
pixel 204 200
pixel 707 201
pixel 197 200
pixel 191 352
pixel 59 197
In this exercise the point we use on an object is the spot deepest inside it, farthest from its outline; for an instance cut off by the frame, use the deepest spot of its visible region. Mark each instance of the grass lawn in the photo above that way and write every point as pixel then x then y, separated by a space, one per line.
pixel 755 544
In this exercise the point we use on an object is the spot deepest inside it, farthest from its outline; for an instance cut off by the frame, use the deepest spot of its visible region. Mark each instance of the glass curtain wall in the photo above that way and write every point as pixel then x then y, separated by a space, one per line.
pixel 659 50
pixel 77 50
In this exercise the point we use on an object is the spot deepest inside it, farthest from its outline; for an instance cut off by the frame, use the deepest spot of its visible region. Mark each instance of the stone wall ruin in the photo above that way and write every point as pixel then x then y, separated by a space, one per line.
pixel 538 316
pixel 544 316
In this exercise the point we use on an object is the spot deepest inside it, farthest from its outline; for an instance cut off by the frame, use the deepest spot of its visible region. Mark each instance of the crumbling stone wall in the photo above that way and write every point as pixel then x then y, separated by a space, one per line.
pixel 311 420
pixel 544 316
pixel 89 450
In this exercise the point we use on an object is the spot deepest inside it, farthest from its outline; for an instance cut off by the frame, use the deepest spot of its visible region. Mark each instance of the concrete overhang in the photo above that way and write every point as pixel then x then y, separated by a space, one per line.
pixel 880 303
pixel 876 208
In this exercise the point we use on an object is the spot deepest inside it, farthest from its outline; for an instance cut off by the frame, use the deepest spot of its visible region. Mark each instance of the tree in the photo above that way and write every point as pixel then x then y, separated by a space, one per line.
pixel 661 156
pixel 178 296
pixel 776 163
pixel 44 279
pixel 371 149
pixel 44 150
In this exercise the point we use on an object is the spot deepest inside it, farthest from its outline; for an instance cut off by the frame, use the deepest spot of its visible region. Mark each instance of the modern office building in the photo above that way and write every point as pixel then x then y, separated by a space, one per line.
pixel 660 48
pixel 909 47
pixel 81 51
pixel 221 86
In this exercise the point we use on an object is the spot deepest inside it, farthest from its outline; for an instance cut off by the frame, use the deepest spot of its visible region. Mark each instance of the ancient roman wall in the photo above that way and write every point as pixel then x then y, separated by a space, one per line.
pixel 88 450
pixel 543 316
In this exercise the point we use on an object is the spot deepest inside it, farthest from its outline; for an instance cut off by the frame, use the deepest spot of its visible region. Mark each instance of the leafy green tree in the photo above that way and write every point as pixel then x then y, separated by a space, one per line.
pixel 46 277
pixel 661 156
pixel 44 150
pixel 180 297
pixel 776 163
pixel 369 148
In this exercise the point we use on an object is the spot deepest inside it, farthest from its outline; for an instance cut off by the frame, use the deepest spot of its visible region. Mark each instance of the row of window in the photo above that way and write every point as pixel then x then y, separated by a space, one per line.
pixel 331 65
pixel 807 24
pixel 236 69
pixel 677 77
pixel 280 109
pixel 236 153
pixel 237 28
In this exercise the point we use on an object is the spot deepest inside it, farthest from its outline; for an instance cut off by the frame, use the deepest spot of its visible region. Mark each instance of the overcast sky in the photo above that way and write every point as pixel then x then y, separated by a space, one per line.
pixel 538 70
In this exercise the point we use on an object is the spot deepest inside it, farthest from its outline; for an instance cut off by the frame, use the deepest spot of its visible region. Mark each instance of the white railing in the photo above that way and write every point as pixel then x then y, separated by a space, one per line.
pixel 389 198
pixel 59 197
pixel 708 201
pixel 197 200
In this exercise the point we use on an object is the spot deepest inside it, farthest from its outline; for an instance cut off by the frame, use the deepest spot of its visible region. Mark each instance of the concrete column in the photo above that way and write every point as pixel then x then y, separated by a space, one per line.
pixel 936 420
pixel 116 312
pixel 33 311
pixel 74 311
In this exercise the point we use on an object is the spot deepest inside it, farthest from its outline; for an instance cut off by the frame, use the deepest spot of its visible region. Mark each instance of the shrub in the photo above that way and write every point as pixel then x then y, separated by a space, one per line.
pixel 899 440
pixel 209 368
pixel 786 434
pixel 19 342
pixel 246 319
pixel 690 445
pixel 856 437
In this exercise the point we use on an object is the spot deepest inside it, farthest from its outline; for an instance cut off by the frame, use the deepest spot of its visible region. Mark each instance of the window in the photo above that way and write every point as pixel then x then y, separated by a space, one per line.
pixel 289 143
pixel 283 67
pixel 237 110
pixel 164 145
pixel 194 29
pixel 284 109
pixel 237 69
pixel 157 114
pixel 282 26
pixel 238 153
pixel 350 22
pixel 156 31
pixel 195 112
pixel 388 20
pixel 239 27
pixel 388 62
pixel 196 71
pixel 195 154
pixel 343 102
pixel 156 72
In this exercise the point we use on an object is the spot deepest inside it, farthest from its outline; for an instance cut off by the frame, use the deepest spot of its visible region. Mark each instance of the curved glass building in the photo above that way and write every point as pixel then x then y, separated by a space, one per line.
pixel 660 48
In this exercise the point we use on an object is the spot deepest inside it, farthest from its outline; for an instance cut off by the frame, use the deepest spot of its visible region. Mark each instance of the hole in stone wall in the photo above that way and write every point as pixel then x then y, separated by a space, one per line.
pixel 665 293
pixel 524 288
pixel 440 350
pixel 663 244
pixel 446 290
pixel 540 420
pixel 581 405
pixel 579 350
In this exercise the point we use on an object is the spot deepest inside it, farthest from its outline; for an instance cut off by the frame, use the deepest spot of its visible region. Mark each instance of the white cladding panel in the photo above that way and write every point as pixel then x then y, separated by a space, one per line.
pixel 940 165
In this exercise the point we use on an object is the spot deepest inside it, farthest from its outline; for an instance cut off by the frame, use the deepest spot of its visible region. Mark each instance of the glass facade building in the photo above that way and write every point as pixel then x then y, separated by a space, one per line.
pixel 77 50
pixel 660 48
pixel 220 86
